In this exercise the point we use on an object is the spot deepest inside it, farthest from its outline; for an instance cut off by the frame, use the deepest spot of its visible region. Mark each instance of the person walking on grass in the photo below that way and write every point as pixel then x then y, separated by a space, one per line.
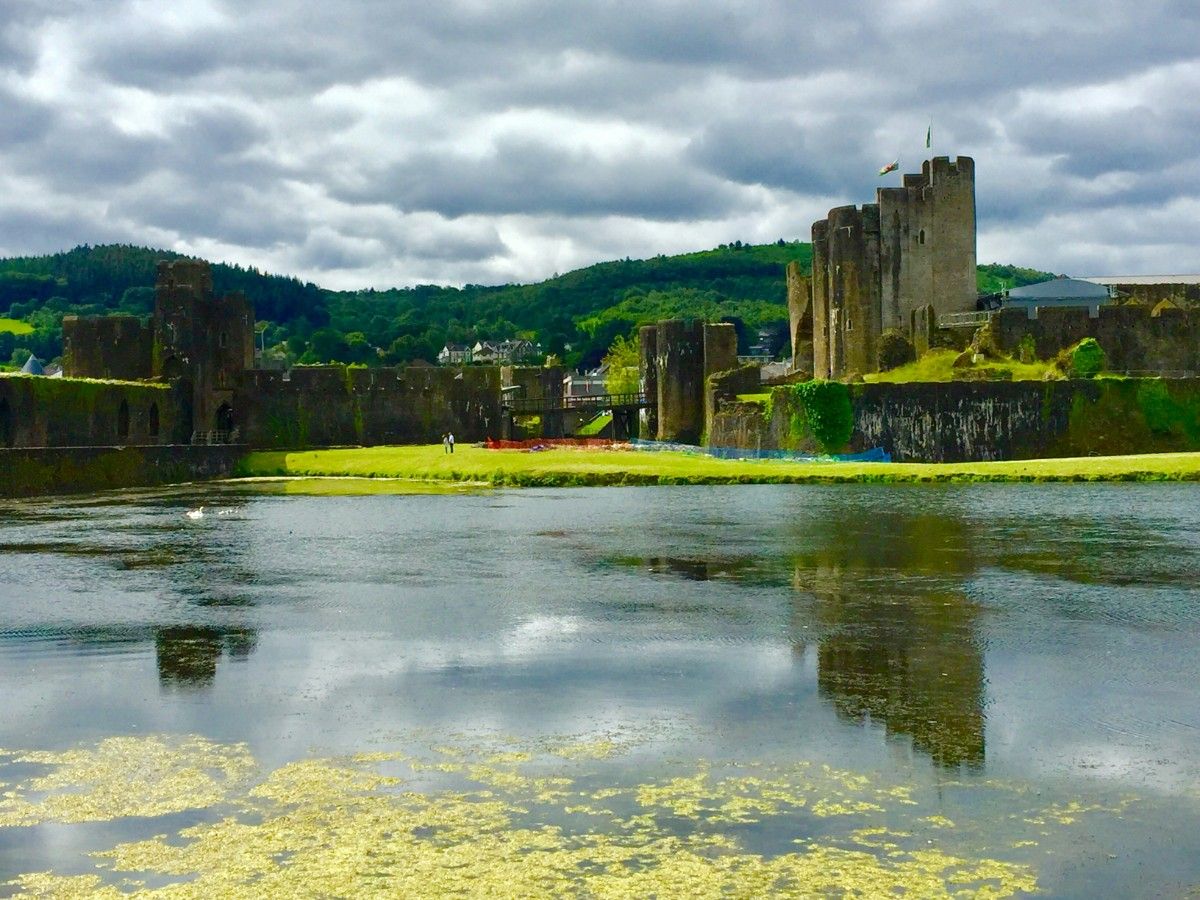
pixel 445 442
pixel 449 441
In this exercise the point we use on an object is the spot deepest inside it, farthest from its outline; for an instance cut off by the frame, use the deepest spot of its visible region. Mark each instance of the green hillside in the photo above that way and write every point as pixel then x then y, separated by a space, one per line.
pixel 576 315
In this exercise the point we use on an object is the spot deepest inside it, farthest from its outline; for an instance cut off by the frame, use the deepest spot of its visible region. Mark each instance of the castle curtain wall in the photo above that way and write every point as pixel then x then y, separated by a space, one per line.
pixel 338 406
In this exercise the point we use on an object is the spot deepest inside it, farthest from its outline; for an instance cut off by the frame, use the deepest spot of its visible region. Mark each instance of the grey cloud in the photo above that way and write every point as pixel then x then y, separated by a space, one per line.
pixel 247 159
pixel 1138 139
pixel 25 231
pixel 779 153
pixel 534 178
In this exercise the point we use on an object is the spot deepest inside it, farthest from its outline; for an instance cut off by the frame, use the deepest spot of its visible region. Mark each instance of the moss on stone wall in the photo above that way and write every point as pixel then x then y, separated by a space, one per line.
pixel 82 411
pixel 972 421
pixel 1168 414
pixel 816 411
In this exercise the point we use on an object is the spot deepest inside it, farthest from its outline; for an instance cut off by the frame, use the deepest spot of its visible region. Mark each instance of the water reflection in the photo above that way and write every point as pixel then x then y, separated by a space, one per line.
pixel 188 655
pixel 899 642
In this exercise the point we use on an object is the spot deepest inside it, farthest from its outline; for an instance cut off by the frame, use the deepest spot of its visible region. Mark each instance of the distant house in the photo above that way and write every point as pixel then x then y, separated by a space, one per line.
pixel 501 353
pixel 454 355
pixel 591 384
pixel 517 350
pixel 1059 292
pixel 485 353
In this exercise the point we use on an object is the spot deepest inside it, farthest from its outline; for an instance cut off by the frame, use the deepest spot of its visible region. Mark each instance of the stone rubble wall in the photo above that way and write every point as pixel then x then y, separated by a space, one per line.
pixel 976 421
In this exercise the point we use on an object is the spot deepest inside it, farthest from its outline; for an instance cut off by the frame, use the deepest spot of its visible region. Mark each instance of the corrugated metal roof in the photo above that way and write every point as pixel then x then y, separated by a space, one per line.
pixel 1060 289
pixel 1142 279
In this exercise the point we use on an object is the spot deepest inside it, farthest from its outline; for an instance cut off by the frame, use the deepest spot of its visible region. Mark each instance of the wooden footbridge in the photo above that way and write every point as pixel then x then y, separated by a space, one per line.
pixel 533 406
pixel 554 411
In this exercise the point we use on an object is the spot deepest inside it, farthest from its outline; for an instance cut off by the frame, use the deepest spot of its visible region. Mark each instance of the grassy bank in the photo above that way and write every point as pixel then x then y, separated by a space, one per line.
pixel 562 467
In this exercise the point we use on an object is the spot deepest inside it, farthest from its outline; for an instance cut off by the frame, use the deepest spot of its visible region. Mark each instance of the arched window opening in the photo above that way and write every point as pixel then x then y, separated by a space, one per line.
pixel 152 422
pixel 123 421
pixel 7 437
pixel 921 237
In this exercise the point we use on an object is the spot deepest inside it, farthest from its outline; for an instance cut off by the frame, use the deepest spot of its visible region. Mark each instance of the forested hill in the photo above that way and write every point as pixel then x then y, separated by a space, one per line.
pixel 576 315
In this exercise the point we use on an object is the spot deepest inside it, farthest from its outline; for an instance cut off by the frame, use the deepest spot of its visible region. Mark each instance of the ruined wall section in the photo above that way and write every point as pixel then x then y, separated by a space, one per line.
pixel 36 411
pixel 720 348
pixel 314 406
pixel 819 287
pixel 800 317
pixel 851 270
pixel 117 347
pixel 1133 337
pixel 680 361
pixel 978 421
pixel 648 381
pixel 1181 294
pixel 721 392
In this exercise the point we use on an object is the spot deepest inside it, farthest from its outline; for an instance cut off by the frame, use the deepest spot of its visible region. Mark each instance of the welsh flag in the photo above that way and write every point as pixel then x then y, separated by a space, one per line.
pixel 890 167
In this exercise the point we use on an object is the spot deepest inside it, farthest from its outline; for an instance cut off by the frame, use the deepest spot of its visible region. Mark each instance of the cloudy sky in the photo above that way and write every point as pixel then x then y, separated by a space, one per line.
pixel 383 142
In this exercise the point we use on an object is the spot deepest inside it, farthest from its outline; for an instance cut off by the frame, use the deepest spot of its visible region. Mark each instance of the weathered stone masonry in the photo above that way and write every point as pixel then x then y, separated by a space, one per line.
pixel 972 421
pixel 677 357
pixel 874 265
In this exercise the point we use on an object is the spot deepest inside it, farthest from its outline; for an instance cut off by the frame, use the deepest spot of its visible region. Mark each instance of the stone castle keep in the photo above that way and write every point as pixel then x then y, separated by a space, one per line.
pixel 874 266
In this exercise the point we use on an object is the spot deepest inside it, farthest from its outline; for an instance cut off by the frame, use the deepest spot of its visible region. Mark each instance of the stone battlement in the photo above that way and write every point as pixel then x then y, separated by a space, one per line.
pixel 1135 338
pixel 876 263
pixel 117 347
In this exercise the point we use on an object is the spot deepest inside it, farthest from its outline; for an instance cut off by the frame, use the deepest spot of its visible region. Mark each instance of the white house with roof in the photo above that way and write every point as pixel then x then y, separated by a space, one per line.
pixel 454 355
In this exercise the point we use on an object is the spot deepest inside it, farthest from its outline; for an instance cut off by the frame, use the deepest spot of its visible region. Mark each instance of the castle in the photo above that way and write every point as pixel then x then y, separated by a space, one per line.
pixel 203 341
pixel 875 266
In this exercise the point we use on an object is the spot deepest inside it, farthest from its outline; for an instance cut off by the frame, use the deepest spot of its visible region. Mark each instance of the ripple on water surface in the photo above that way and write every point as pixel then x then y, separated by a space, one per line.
pixel 950 689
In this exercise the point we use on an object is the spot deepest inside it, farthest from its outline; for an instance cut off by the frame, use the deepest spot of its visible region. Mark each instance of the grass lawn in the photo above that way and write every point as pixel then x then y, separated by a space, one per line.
pixel 595 426
pixel 938 365
pixel 15 326
pixel 567 467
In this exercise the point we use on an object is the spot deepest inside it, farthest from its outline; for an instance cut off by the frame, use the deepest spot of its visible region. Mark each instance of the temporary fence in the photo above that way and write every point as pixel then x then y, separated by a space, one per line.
pixel 875 454
pixel 547 443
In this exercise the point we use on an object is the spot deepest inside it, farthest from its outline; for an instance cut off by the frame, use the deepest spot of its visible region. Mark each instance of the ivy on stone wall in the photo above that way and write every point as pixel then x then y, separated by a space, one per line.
pixel 818 408
pixel 830 415
pixel 1087 358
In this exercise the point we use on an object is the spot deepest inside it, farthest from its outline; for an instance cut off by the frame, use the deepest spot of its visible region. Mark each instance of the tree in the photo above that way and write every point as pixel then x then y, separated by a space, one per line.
pixel 623 359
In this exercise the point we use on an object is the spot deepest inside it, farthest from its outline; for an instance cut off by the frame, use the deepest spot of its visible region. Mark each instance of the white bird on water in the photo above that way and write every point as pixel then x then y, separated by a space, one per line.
pixel 195 513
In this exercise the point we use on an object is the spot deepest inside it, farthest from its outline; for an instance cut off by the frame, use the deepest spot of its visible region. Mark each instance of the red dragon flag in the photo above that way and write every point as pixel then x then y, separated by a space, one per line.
pixel 890 167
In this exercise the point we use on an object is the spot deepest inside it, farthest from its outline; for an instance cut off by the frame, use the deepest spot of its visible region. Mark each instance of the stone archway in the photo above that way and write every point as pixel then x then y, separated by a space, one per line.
pixel 223 421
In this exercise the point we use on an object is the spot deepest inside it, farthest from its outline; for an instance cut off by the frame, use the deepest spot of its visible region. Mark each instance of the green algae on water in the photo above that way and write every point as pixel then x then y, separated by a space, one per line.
pixel 490 818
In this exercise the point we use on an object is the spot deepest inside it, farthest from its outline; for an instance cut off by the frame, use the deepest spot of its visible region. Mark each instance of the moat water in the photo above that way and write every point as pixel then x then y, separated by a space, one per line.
pixel 761 688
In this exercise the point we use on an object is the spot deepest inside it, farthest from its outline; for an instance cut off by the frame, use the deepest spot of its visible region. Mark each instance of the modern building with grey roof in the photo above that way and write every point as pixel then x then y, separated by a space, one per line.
pixel 1059 292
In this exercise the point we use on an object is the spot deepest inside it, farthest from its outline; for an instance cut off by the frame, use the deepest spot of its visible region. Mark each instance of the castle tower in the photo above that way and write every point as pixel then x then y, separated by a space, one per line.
pixel 846 291
pixel 927 241
pixel 872 267
pixel 204 340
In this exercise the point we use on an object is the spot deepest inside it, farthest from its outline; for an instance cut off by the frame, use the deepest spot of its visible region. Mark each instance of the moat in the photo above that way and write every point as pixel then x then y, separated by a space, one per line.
pixel 757 687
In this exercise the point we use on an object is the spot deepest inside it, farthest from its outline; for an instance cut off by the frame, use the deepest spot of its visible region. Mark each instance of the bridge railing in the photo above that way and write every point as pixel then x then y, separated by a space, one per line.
pixel 963 319
pixel 527 405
